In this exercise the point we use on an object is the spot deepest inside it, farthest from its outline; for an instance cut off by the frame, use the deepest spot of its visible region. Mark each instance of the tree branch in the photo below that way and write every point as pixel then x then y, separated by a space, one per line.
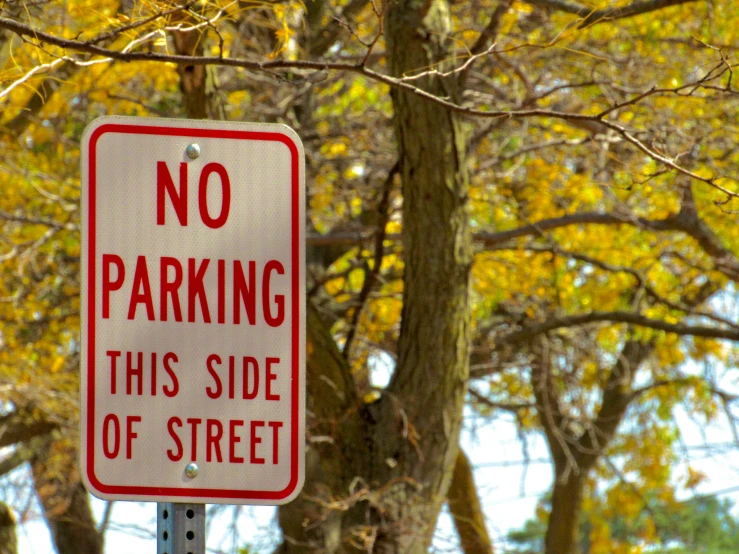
pixel 487 36
pixel 585 218
pixel 395 82
pixel 490 32
pixel 686 221
pixel 551 416
pixel 680 382
pixel 370 277
pixel 65 501
pixel 640 320
pixel 464 505
pixel 24 452
pixel 513 408
pixel 593 17
pixel 20 426
pixel 502 237
pixel 641 282
pixel 64 70
pixel 324 37
pixel 330 387
pixel 615 402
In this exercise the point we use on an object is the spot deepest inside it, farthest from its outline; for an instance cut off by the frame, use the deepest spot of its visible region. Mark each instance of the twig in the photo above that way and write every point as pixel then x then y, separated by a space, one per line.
pixel 370 277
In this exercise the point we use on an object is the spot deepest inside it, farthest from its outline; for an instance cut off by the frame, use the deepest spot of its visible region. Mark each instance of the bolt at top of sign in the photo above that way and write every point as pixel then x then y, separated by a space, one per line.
pixel 193 295
pixel 193 151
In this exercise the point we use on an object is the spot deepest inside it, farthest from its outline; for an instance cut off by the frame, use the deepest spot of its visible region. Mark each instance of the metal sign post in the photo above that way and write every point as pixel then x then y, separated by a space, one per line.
pixel 180 528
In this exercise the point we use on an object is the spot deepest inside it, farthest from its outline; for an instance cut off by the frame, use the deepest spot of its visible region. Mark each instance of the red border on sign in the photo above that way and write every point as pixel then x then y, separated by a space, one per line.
pixel 92 227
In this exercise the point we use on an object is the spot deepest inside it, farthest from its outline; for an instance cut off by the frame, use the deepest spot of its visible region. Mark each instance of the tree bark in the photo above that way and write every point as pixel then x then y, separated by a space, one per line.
pixel 422 410
pixel 563 529
pixel 65 501
pixel 197 92
pixel 8 537
pixel 464 505
pixel 379 483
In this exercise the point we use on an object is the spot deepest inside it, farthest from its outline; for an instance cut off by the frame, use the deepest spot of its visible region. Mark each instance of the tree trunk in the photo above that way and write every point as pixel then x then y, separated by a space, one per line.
pixel 563 529
pixel 464 505
pixel 377 485
pixel 197 92
pixel 420 417
pixel 8 538
pixel 65 501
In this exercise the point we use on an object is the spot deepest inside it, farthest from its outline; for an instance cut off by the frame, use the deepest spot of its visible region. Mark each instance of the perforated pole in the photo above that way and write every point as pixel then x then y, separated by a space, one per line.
pixel 180 528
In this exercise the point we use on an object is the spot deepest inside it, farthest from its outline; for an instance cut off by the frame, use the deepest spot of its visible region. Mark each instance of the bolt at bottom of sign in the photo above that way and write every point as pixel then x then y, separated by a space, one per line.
pixel 191 470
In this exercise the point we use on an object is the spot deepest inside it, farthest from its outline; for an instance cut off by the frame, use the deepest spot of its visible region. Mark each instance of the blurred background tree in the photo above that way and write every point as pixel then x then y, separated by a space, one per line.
pixel 703 525
pixel 523 208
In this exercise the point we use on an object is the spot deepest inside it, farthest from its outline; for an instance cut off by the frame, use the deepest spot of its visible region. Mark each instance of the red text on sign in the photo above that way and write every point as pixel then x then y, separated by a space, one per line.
pixel 132 366
pixel 112 435
pixel 248 377
pixel 235 440
pixel 181 287
pixel 178 197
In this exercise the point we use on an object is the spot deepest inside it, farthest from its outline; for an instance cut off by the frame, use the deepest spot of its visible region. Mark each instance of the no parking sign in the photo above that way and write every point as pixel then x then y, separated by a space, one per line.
pixel 193 324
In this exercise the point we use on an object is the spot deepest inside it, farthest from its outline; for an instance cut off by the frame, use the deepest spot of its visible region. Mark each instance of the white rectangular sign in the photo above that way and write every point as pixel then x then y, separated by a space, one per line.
pixel 193 323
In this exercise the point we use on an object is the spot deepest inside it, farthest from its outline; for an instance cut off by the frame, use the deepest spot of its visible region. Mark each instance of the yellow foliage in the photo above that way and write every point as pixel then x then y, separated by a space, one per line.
pixel 600 538
pixel 694 478
pixel 703 347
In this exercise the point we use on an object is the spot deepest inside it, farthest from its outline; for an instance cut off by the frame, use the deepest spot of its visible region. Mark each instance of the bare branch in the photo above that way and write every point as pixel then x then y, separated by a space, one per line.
pixel 22 426
pixel 593 17
pixel 490 32
pixel 370 277
pixel 511 407
pixel 632 318
pixel 266 66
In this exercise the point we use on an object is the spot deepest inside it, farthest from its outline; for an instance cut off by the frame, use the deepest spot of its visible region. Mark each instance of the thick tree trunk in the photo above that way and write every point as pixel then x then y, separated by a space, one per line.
pixel 377 479
pixel 65 501
pixel 422 411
